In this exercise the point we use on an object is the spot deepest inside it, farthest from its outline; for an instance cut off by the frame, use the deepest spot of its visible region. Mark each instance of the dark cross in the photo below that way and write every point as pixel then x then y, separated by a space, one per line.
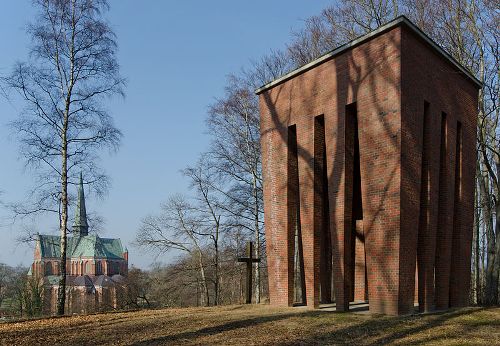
pixel 249 261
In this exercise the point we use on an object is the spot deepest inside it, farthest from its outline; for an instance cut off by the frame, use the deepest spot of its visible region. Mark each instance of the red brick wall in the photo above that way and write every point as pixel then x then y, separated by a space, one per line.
pixel 360 287
pixel 369 76
pixel 428 77
pixel 389 89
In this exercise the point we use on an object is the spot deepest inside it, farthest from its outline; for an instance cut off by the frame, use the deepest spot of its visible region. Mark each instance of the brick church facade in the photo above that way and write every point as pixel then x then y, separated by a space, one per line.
pixel 96 268
pixel 368 163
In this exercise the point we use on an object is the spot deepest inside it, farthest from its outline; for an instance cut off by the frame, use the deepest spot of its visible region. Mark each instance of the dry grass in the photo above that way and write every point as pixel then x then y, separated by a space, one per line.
pixel 252 325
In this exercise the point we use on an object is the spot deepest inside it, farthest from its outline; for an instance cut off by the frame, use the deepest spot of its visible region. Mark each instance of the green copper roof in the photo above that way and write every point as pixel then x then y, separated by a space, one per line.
pixel 80 226
pixel 52 279
pixel 81 246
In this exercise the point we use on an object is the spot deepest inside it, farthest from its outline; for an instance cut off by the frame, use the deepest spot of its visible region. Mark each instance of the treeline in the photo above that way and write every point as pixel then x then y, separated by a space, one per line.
pixel 210 225
pixel 179 284
pixel 20 295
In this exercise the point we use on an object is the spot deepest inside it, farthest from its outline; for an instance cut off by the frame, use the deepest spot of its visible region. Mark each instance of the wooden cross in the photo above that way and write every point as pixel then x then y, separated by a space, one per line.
pixel 249 261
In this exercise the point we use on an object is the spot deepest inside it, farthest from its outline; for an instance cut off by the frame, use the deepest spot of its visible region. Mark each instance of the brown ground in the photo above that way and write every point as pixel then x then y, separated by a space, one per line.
pixel 252 325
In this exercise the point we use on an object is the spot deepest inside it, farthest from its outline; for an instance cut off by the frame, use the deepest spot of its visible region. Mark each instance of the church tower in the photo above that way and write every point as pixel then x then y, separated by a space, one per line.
pixel 80 226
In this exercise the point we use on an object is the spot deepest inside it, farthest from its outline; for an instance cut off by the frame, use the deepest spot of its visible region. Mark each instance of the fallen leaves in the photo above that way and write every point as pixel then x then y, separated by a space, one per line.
pixel 255 325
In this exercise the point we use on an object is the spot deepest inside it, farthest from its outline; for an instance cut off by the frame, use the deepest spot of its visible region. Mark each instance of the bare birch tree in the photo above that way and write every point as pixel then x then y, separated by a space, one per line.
pixel 72 69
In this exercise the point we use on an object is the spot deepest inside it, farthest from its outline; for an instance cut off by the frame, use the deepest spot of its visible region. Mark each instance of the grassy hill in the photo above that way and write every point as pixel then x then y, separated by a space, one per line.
pixel 247 325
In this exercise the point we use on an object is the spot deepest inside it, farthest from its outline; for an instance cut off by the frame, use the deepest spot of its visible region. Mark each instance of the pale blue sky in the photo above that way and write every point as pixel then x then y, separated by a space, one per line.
pixel 176 56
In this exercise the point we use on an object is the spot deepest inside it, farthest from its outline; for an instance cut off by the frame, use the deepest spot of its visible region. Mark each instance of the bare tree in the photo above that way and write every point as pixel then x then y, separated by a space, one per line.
pixel 176 228
pixel 138 288
pixel 6 278
pixel 72 69
pixel 338 24
pixel 236 161
pixel 207 210
pixel 269 67
pixel 485 24
pixel 15 288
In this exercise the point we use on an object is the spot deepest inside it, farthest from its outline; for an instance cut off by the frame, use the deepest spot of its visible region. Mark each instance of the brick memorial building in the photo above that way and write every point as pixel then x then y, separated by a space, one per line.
pixel 368 162
pixel 96 268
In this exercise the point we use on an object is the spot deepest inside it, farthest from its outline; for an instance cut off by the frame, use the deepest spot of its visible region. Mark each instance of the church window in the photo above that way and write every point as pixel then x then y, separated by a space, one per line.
pixel 115 268
pixel 48 268
pixel 98 268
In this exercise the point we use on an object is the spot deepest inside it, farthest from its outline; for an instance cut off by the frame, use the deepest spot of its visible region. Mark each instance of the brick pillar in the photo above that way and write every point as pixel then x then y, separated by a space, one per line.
pixel 335 149
pixel 445 218
pixel 429 196
pixel 275 174
pixel 462 227
pixel 322 210
pixel 379 124
pixel 310 238
pixel 465 217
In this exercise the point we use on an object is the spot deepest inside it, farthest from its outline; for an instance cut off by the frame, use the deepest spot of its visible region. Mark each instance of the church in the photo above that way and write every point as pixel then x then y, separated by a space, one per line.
pixel 96 267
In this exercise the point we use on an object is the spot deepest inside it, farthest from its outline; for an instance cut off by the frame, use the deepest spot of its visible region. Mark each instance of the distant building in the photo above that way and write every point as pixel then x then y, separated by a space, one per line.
pixel 96 267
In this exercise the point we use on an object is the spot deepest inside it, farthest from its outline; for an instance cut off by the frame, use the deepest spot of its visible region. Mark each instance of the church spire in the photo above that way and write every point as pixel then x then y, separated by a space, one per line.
pixel 80 226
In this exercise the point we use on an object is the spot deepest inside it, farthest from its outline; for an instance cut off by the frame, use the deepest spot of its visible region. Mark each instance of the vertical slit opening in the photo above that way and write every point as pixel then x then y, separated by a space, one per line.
pixel 295 252
pixel 354 240
pixel 424 217
pixel 441 266
pixel 322 209
pixel 456 237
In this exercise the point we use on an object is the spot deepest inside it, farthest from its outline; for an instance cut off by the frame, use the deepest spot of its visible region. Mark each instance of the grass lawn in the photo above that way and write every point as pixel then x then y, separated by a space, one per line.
pixel 257 325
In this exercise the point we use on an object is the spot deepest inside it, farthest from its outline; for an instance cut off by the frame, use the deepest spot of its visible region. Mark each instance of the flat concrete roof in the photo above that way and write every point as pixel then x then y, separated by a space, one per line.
pixel 386 27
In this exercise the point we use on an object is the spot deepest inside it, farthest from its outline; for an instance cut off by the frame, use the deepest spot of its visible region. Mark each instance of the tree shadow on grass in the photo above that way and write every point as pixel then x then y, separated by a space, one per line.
pixel 376 330
pixel 218 329
pixel 386 330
